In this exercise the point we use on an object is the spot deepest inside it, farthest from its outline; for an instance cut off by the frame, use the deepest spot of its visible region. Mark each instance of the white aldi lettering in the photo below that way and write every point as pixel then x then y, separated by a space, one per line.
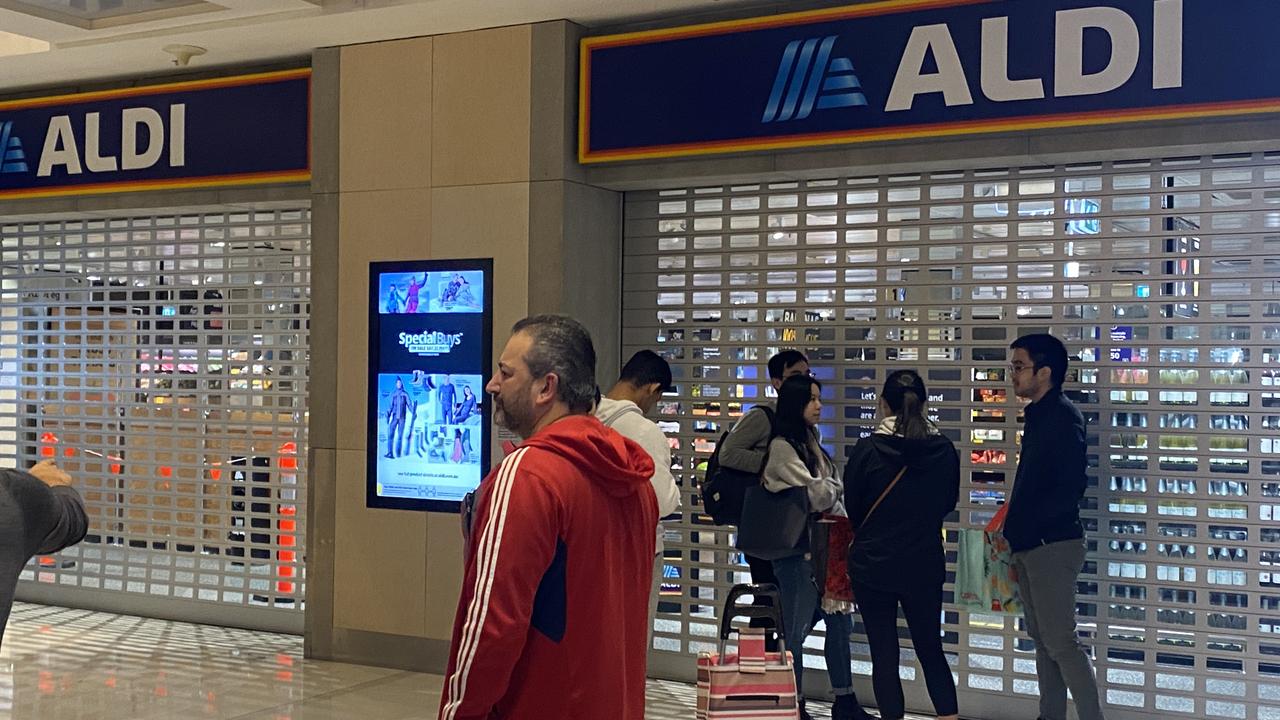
pixel 1069 76
pixel 61 148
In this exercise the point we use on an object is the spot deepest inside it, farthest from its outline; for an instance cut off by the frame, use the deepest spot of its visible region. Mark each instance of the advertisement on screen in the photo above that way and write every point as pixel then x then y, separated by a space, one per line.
pixel 430 349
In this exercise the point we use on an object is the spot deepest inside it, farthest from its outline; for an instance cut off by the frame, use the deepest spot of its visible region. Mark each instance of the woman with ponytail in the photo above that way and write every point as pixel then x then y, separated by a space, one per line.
pixel 901 483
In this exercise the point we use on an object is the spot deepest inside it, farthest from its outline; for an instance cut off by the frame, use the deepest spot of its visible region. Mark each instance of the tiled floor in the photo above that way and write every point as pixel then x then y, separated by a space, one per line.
pixel 60 664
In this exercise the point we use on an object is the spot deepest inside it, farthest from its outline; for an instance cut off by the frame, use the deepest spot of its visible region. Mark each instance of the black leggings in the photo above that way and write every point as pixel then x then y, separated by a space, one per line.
pixel 923 611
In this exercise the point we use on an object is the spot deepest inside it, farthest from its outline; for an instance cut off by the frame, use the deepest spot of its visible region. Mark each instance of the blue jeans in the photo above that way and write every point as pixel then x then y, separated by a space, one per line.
pixel 836 650
pixel 799 606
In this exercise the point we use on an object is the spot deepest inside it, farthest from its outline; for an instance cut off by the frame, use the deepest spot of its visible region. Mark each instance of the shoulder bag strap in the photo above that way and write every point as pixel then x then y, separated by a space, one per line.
pixel 768 413
pixel 880 499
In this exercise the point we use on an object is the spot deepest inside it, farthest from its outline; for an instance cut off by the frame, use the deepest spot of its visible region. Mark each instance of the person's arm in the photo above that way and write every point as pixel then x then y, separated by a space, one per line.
pixel 664 483
pixel 786 470
pixel 744 448
pixel 1070 465
pixel 515 534
pixel 825 492
pixel 837 484
pixel 952 482
pixel 853 478
pixel 69 522
pixel 59 520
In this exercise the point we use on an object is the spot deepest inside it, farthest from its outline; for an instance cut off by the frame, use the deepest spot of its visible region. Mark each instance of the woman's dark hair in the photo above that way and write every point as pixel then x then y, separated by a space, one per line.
pixel 904 393
pixel 789 424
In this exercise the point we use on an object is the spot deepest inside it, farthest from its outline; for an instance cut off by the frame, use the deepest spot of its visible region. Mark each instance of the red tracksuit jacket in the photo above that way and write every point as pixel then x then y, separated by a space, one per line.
pixel 554 613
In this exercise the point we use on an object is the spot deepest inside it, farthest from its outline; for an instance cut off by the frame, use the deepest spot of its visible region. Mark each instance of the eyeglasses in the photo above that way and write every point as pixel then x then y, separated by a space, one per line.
pixel 1017 368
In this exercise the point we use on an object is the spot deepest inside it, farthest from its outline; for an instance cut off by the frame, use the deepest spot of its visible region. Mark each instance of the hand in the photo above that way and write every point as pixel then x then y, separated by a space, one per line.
pixel 50 474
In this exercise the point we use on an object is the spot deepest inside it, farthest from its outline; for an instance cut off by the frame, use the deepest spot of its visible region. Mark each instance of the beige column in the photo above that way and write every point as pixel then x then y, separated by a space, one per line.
pixel 452 146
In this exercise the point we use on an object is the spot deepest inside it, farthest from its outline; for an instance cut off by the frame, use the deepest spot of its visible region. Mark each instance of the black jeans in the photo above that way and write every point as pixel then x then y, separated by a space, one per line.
pixel 923 612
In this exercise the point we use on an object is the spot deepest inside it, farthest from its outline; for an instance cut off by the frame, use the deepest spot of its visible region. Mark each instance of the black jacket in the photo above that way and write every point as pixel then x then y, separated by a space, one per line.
pixel 1045 503
pixel 34 519
pixel 900 546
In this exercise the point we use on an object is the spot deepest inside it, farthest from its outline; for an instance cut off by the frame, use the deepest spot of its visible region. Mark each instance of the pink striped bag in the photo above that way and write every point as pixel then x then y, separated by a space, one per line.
pixel 748 685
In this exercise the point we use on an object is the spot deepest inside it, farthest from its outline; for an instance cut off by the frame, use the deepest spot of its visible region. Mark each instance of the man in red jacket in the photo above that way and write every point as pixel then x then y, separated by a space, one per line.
pixel 554 610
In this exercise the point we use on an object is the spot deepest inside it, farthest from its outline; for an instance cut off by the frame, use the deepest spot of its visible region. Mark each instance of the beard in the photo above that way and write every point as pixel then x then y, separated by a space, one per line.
pixel 514 413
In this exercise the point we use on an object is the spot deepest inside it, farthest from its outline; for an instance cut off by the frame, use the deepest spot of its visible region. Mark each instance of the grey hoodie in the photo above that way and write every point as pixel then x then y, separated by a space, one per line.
pixel 35 519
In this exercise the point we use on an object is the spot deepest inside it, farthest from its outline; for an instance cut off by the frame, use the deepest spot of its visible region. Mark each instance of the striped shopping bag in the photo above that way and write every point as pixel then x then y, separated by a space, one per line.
pixel 750 684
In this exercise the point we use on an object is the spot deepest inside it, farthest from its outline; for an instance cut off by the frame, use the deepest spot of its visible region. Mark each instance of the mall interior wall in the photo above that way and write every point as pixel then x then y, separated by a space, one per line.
pixel 453 146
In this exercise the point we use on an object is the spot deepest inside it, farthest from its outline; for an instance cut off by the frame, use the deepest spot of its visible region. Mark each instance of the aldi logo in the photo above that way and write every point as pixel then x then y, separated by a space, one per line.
pixel 808 78
pixel 12 157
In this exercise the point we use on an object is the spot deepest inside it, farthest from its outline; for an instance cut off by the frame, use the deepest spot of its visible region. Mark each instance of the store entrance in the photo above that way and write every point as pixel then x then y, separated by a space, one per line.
pixel 1162 276
pixel 162 358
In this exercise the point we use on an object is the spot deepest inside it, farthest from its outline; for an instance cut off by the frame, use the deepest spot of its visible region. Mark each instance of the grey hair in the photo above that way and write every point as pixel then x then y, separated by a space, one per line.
pixel 562 346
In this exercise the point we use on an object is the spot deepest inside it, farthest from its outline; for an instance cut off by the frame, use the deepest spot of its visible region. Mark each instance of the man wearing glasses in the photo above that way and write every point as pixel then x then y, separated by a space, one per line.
pixel 1043 526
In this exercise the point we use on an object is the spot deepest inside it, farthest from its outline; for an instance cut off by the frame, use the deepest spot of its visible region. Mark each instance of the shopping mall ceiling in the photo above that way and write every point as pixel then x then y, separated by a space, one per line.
pixel 61 42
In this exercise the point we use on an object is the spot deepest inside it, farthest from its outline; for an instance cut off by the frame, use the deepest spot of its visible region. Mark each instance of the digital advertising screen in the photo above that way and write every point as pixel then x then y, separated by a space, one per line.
pixel 430 352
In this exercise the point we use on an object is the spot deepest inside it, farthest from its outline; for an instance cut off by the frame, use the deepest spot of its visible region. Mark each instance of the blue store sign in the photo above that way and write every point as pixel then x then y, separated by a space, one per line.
pixel 900 69
pixel 243 130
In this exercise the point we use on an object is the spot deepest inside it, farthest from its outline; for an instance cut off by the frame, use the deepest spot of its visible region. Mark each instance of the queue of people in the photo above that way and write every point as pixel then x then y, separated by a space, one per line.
pixel 564 546
pixel 898 487
pixel 562 550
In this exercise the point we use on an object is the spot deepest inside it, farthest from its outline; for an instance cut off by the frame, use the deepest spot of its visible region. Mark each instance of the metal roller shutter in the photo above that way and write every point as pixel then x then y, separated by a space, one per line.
pixel 1163 278
pixel 162 359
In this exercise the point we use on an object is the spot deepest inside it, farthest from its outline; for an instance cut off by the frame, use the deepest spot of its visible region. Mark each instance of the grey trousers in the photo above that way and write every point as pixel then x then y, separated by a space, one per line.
pixel 1047 580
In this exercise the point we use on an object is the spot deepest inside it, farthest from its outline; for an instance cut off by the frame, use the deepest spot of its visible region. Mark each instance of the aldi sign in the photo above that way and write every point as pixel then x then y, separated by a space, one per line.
pixel 898 69
pixel 241 130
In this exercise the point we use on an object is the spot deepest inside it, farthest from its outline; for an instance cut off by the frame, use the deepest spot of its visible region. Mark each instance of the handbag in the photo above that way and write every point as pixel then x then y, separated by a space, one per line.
pixel 774 525
pixel 986 578
pixel 751 684
pixel 832 574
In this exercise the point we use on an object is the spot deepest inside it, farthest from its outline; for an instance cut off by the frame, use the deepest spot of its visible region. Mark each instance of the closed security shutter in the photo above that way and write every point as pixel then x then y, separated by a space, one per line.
pixel 1163 278
pixel 162 360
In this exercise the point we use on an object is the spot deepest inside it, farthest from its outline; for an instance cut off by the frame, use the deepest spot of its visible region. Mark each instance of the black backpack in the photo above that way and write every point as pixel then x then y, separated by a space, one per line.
pixel 723 488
